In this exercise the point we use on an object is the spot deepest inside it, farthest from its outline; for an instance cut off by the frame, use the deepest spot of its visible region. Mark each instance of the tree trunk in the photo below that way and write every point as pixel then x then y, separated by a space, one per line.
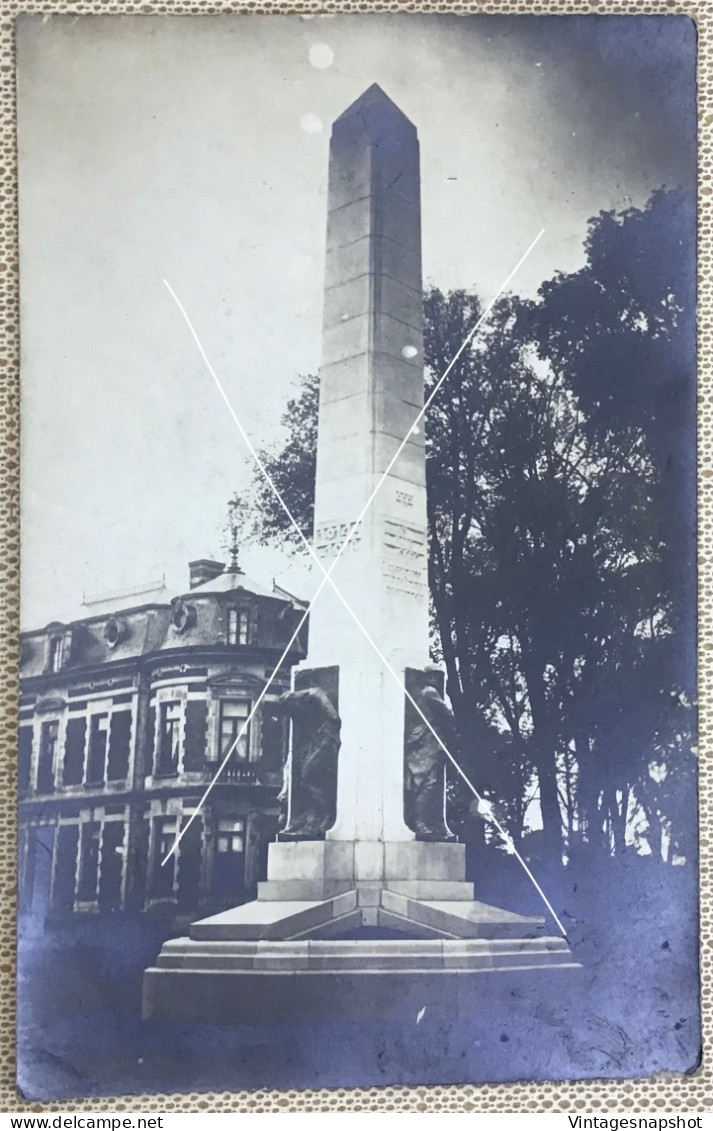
pixel 543 748
pixel 618 822
pixel 588 789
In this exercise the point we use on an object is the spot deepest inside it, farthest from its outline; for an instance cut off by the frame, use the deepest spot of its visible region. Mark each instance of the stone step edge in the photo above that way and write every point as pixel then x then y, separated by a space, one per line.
pixel 361 971
pixel 550 944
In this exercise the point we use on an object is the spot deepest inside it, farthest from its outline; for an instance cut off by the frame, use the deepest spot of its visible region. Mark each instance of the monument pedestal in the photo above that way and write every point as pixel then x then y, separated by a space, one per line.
pixel 331 867
pixel 274 982
pixel 344 887
pixel 235 964
pixel 319 889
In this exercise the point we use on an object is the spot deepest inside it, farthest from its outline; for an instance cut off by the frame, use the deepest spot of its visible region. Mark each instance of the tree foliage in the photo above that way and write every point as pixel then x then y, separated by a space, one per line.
pixel 561 536
pixel 292 470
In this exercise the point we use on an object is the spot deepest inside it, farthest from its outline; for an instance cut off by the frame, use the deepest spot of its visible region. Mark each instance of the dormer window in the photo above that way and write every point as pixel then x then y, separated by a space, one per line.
pixel 238 626
pixel 56 653
pixel 114 631
pixel 183 616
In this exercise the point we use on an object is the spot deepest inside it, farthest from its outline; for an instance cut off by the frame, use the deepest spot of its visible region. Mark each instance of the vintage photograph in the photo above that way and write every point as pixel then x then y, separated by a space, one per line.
pixel 357 721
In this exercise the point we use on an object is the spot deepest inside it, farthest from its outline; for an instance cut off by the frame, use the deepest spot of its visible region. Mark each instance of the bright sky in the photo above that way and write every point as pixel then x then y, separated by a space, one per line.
pixel 195 149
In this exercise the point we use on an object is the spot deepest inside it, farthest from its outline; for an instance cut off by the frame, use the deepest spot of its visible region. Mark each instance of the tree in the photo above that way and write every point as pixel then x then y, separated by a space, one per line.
pixel 550 541
pixel 539 541
pixel 625 328
pixel 292 469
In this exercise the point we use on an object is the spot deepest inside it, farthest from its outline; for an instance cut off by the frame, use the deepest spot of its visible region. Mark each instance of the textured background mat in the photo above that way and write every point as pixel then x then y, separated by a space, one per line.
pixel 665 1093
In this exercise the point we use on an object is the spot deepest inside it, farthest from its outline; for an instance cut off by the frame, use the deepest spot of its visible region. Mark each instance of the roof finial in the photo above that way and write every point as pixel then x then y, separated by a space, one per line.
pixel 235 528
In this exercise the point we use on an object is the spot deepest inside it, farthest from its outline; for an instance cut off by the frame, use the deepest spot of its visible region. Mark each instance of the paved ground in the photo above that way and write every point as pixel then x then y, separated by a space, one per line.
pixel 631 1011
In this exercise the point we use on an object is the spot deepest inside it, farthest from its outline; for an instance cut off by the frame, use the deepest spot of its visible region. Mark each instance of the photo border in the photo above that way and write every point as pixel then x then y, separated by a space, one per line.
pixel 664 1093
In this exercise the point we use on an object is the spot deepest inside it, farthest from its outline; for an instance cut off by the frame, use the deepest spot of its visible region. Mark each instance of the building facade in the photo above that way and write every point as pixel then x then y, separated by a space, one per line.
pixel 125 717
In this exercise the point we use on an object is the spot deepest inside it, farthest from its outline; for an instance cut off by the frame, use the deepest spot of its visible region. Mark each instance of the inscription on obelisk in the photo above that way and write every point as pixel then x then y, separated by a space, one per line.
pixel 371 391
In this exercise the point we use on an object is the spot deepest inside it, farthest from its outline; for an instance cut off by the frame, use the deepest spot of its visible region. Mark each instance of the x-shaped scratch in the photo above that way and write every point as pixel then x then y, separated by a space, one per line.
pixel 327 579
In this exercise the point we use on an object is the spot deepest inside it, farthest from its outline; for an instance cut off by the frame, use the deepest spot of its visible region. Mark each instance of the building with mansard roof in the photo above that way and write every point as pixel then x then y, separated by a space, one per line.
pixel 125 716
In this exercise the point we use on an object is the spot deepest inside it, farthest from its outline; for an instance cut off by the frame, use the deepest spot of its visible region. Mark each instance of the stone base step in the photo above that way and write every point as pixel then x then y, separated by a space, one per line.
pixel 461 919
pixel 231 980
pixel 233 963
pixel 371 907
pixel 433 889
pixel 268 987
pixel 274 920
pixel 369 861
pixel 297 891
pixel 276 891
pixel 368 956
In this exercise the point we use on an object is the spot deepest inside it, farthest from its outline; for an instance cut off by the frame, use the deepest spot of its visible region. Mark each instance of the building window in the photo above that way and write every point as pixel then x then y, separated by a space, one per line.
pixel 238 626
pixel 37 873
pixel 98 738
pixel 233 715
pixel 88 862
pixel 228 879
pixel 273 742
pixel 189 867
pixel 112 866
pixel 163 874
pixel 119 746
pixel 48 750
pixel 65 867
pixel 56 653
pixel 231 836
pixel 24 758
pixel 169 739
pixel 166 836
pixel 74 742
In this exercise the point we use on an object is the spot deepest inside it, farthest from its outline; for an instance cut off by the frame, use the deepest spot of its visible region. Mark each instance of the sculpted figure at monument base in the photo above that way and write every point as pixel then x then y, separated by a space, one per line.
pixel 311 784
pixel 424 759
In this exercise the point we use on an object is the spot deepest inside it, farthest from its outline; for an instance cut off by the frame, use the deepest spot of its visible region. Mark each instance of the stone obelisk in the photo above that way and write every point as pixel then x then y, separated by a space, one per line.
pixel 371 392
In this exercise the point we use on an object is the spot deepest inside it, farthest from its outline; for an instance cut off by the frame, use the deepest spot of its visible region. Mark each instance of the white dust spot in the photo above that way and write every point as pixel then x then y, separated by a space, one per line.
pixel 321 56
pixel 311 124
pixel 419 1015
pixel 409 351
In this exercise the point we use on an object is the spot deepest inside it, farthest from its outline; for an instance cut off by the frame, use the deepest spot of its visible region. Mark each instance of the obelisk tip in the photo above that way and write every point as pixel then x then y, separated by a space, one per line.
pixel 373 98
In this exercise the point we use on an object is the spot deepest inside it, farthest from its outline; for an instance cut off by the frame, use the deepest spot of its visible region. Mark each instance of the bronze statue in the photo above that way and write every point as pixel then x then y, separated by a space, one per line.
pixel 312 767
pixel 424 777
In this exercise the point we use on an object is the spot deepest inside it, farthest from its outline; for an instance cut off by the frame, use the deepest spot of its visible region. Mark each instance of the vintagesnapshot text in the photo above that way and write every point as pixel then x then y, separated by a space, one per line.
pixel 629 1123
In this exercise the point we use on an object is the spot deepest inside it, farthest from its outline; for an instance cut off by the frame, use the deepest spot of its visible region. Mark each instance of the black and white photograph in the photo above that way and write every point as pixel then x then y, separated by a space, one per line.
pixel 357 731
